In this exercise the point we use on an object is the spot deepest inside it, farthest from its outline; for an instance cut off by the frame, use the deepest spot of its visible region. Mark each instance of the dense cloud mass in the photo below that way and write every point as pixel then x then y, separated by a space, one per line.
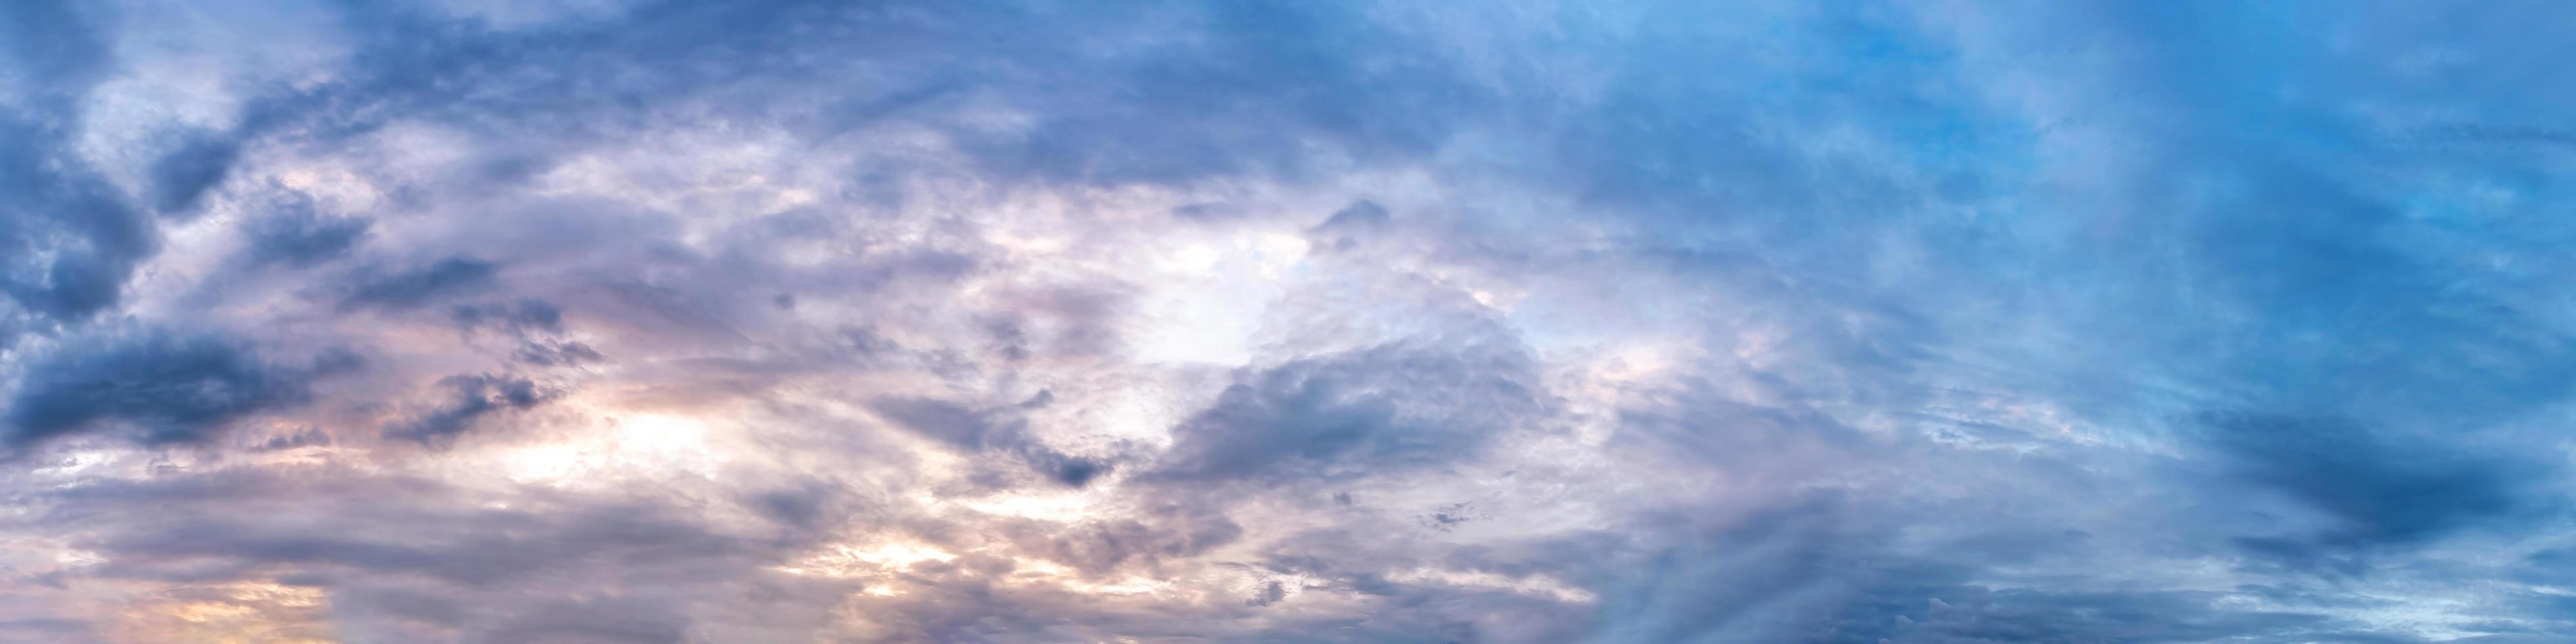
pixel 1222 321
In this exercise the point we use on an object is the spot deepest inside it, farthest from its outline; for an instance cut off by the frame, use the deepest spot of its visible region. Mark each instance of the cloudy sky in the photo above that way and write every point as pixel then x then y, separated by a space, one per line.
pixel 1506 321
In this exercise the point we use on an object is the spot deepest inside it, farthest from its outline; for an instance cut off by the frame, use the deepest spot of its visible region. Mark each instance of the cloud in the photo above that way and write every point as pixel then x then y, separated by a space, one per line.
pixel 471 397
pixel 297 237
pixel 73 238
pixel 1614 321
pixel 148 385
pixel 185 174
pixel 2378 492
pixel 2008 616
pixel 995 430
pixel 416 563
pixel 412 287
pixel 561 353
pixel 524 315
pixel 1383 409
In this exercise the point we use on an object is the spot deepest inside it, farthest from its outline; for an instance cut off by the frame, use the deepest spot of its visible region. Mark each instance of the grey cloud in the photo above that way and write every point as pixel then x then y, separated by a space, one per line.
pixel 1242 104
pixel 1347 226
pixel 57 46
pixel 997 430
pixel 337 360
pixel 309 436
pixel 1976 615
pixel 1167 532
pixel 150 385
pixel 411 559
pixel 49 629
pixel 411 287
pixel 2385 490
pixel 181 177
pixel 1355 561
pixel 1206 212
pixel 606 620
pixel 471 398
pixel 2380 490
pixel 552 354
pixel 297 236
pixel 523 315
pixel 942 421
pixel 1779 575
pixel 1358 87
pixel 1360 215
pixel 246 546
pixel 1374 411
pixel 1271 593
pixel 804 507
pixel 1809 572
pixel 71 239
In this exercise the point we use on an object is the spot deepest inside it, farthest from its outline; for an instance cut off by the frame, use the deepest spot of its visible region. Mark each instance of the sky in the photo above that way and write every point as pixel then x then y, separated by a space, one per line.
pixel 1507 321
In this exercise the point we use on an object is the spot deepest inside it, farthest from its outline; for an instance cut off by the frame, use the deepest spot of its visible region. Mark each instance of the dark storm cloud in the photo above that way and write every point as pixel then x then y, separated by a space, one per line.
pixel 153 386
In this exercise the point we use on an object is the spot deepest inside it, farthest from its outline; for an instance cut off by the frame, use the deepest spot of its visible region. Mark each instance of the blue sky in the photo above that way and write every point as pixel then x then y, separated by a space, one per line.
pixel 1180 321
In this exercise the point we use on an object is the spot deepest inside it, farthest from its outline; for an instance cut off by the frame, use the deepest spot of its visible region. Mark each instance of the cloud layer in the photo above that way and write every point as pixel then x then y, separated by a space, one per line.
pixel 1417 321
